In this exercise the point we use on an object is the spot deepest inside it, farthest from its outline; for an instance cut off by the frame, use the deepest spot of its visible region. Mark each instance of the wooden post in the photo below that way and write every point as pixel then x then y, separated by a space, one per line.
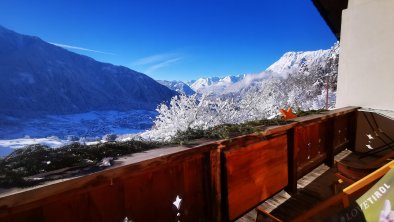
pixel 216 183
pixel 291 164
pixel 352 130
pixel 330 142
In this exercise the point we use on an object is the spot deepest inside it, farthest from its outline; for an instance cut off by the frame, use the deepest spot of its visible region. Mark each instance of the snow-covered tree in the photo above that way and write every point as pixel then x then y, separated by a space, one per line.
pixel 302 88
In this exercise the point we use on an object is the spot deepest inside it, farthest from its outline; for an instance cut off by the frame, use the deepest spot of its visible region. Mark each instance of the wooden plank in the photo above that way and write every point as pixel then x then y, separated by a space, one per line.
pixel 310 146
pixel 149 196
pixel 71 207
pixel 216 193
pixel 310 166
pixel 196 199
pixel 31 215
pixel 245 140
pixel 5 218
pixel 107 203
pixel 317 138
pixel 124 167
pixel 318 142
pixel 254 173
pixel 344 127
pixel 141 191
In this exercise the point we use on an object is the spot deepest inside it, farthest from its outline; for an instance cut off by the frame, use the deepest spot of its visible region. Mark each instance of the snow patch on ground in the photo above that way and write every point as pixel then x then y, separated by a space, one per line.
pixel 90 124
pixel 59 130
pixel 22 142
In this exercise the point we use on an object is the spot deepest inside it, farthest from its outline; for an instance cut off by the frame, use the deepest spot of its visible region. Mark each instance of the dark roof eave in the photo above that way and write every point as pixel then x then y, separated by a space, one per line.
pixel 331 11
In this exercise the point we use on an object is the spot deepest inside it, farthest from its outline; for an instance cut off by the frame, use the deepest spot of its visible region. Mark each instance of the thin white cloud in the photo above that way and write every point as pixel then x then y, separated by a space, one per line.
pixel 152 63
pixel 162 64
pixel 153 59
pixel 80 48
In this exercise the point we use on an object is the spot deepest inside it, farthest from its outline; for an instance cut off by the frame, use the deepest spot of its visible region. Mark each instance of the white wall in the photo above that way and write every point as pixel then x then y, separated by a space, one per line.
pixel 353 3
pixel 366 61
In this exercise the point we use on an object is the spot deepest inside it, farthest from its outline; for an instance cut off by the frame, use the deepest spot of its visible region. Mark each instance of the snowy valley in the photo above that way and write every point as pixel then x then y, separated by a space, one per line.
pixel 49 95
pixel 121 101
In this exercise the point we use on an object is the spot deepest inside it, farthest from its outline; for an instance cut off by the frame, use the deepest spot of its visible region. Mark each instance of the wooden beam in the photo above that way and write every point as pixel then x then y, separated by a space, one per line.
pixel 331 11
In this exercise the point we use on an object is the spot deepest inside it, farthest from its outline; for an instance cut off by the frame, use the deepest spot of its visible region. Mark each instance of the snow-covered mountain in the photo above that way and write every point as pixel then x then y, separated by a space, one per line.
pixel 289 64
pixel 214 84
pixel 37 77
pixel 178 86
pixel 201 83
pixel 293 61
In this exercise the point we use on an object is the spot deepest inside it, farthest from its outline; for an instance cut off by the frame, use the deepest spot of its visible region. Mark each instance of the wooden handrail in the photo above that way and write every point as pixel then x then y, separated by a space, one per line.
pixel 367 180
pixel 347 192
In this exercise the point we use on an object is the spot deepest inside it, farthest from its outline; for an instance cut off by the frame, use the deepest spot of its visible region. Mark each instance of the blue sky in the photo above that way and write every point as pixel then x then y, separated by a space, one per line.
pixel 174 39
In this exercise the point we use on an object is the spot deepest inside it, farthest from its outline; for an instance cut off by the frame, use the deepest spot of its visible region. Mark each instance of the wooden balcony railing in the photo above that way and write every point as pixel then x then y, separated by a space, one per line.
pixel 214 181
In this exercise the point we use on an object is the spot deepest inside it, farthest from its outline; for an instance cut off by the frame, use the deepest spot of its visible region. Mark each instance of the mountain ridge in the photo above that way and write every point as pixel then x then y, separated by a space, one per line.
pixel 177 86
pixel 288 63
pixel 35 73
